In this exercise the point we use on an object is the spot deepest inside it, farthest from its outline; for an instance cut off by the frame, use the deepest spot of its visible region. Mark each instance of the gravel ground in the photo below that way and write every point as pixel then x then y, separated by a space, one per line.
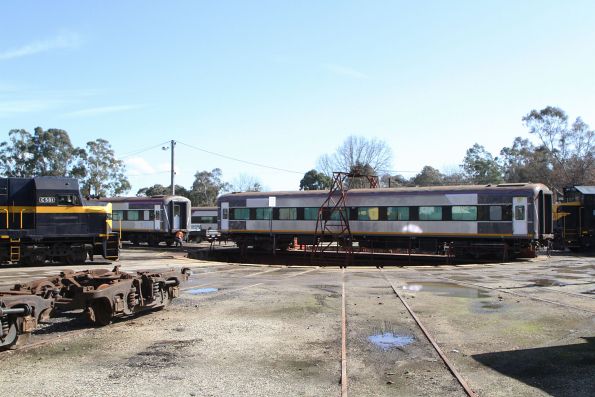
pixel 269 331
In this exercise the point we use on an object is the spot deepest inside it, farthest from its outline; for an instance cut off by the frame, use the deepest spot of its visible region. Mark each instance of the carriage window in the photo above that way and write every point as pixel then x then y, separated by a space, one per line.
pixel 464 213
pixel 367 214
pixel 311 214
pixel 430 213
pixel 132 215
pixel 225 213
pixel 519 212
pixel 240 214
pixel 287 213
pixel 495 213
pixel 397 213
pixel 117 215
pixel 263 214
pixel 336 214
pixel 157 215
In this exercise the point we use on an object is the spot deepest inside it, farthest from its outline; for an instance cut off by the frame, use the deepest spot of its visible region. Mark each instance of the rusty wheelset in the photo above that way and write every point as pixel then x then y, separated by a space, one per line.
pixel 102 295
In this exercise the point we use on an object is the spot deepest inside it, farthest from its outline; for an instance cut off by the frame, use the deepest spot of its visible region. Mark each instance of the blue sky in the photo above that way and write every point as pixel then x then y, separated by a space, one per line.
pixel 281 83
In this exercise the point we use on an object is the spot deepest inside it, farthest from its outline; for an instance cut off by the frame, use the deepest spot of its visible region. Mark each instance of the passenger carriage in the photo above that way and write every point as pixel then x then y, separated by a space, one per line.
pixel 150 220
pixel 508 218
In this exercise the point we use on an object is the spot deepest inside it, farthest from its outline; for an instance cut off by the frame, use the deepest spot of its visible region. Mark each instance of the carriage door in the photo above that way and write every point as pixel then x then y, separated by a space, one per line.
pixel 519 216
pixel 224 217
pixel 176 216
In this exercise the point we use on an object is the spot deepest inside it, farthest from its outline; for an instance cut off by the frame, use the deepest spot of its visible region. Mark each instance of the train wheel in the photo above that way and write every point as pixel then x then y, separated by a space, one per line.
pixel 76 257
pixel 100 312
pixel 37 258
pixel 9 334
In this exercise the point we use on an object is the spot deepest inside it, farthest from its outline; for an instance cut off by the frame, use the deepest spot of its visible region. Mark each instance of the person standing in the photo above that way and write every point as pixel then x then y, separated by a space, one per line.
pixel 179 238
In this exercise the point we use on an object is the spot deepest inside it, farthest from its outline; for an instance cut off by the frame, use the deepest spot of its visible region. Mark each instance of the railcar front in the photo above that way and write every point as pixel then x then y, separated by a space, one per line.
pixel 204 224
pixel 45 218
pixel 506 219
pixel 150 220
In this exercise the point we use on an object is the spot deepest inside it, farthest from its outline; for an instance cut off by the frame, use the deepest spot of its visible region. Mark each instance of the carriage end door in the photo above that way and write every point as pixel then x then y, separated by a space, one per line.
pixel 224 217
pixel 519 216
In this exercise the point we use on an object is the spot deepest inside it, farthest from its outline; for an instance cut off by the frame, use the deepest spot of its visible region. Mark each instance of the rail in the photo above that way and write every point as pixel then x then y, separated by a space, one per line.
pixel 446 361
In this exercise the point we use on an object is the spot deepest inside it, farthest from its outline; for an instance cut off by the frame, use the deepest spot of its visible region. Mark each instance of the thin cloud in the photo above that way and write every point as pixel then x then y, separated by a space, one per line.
pixel 102 110
pixel 139 166
pixel 345 71
pixel 9 108
pixel 63 40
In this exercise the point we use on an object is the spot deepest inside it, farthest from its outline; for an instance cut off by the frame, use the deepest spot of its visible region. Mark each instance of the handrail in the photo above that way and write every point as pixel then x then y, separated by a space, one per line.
pixel 22 210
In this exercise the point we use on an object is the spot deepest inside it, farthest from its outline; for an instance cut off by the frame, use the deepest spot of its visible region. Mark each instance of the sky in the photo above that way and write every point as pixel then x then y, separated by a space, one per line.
pixel 280 83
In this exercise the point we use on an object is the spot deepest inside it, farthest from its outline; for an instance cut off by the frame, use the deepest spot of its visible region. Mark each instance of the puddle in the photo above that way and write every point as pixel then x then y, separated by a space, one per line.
pixel 547 282
pixel 388 340
pixel 491 305
pixel 199 291
pixel 446 289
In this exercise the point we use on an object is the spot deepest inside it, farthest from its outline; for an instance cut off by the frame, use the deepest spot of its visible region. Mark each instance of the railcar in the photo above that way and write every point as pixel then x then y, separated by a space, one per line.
pixel 150 220
pixel 575 218
pixel 204 224
pixel 45 218
pixel 509 219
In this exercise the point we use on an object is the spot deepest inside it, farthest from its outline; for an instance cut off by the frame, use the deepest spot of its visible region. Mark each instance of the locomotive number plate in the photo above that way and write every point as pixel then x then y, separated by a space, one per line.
pixel 47 200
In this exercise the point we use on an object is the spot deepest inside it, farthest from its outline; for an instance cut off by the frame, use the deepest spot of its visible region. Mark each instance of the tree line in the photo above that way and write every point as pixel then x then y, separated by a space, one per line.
pixel 51 153
pixel 564 155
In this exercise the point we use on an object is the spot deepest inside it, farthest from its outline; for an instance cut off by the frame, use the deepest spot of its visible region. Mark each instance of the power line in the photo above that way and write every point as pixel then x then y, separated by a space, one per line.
pixel 240 160
pixel 139 151
pixel 150 173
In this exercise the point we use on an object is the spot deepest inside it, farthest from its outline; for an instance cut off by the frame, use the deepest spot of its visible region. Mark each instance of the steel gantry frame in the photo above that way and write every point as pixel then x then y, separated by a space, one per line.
pixel 334 230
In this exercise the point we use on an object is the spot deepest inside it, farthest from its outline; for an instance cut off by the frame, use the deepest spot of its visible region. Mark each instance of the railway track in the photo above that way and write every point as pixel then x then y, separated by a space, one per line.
pixel 344 377
pixel 432 341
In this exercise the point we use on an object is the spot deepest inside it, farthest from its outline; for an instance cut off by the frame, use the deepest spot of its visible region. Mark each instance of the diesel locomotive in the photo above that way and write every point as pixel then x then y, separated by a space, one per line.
pixel 46 218
pixel 508 219
pixel 575 219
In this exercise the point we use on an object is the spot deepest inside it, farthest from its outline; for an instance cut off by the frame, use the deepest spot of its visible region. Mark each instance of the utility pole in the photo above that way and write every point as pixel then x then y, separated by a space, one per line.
pixel 173 186
pixel 171 146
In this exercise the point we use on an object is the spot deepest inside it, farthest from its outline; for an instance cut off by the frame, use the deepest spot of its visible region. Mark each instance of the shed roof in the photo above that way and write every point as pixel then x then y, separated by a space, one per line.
pixel 586 189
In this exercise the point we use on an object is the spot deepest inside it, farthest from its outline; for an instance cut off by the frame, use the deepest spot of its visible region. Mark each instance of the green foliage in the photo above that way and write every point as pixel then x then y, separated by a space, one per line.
pixel 160 190
pixel 569 150
pixel 105 173
pixel 314 180
pixel 207 186
pixel 43 153
pixel 429 176
pixel 481 167
pixel 524 162
pixel 388 180
pixel 51 153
